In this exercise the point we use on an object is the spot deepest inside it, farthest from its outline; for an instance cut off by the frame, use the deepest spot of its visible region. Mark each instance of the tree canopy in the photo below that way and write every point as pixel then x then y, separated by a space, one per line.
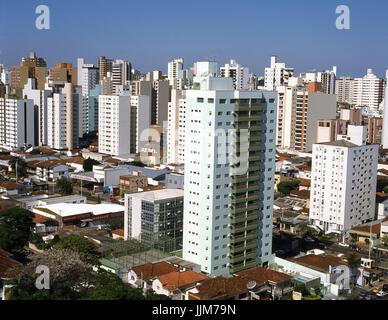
pixel 65 186
pixel 286 187
pixel 89 163
pixel 21 171
pixel 15 228
pixel 85 248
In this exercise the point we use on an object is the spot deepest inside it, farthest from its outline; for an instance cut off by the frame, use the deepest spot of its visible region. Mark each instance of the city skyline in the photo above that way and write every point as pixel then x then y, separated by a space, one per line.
pixel 150 38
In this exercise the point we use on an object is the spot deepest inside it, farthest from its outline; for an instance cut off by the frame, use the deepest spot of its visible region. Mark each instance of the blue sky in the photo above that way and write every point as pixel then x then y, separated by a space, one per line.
pixel 151 33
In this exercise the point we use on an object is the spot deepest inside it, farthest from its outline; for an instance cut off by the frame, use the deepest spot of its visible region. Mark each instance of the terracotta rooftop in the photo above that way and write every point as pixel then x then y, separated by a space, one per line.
pixel 119 232
pixel 77 160
pixel 301 193
pixel 173 280
pixel 112 160
pixel 50 163
pixel 260 275
pixel 376 228
pixel 40 219
pixel 305 183
pixel 151 270
pixel 321 263
pixel 6 264
pixel 10 185
pixel 5 157
pixel 383 171
pixel 221 287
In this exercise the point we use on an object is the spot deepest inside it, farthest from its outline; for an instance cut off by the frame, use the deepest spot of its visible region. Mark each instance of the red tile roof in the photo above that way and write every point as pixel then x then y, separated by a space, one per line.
pixel 151 270
pixel 7 264
pixel 321 263
pixel 10 185
pixel 119 232
pixel 173 280
pixel 260 275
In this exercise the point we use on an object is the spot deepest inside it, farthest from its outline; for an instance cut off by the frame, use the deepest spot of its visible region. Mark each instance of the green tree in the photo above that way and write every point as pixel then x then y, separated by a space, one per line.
pixel 21 164
pixel 353 261
pixel 384 239
pixel 15 228
pixel 85 248
pixel 110 287
pixel 151 295
pixel 286 187
pixel 385 189
pixel 65 185
pixel 89 163
pixel 70 277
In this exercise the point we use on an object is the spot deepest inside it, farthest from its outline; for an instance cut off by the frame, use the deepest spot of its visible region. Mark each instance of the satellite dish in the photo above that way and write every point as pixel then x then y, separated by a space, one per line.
pixel 251 285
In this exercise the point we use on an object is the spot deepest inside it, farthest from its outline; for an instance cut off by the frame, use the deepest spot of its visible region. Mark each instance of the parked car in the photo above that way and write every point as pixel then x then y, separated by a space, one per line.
pixel 381 293
pixel 343 244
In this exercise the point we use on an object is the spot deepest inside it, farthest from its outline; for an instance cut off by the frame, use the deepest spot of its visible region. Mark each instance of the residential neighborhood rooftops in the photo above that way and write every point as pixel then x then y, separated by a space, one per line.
pixel 151 270
pixel 261 275
pixel 173 280
pixel 8 185
pixel 6 264
pixel 321 263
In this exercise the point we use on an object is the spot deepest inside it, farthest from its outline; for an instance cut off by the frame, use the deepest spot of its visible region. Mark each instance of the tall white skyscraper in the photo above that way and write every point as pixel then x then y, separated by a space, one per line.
pixel 385 118
pixel 277 74
pixel 343 185
pixel 238 73
pixel 369 90
pixel 17 125
pixel 40 98
pixel 174 67
pixel 229 176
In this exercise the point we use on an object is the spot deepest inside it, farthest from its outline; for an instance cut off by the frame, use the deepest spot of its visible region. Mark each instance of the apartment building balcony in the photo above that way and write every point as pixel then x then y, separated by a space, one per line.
pixel 242 256
pixel 244 237
pixel 242 266
pixel 241 199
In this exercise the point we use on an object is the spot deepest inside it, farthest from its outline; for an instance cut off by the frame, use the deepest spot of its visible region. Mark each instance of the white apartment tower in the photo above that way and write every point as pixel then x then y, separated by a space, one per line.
pixel 173 123
pixel 238 73
pixel 343 185
pixel 369 90
pixel 122 121
pixel 174 67
pixel 229 176
pixel 40 100
pixel 17 122
pixel 277 74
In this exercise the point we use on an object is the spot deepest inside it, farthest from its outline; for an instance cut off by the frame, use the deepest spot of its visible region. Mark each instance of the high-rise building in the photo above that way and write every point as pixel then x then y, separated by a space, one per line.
pixel 40 101
pixel 238 73
pixel 173 125
pixel 385 121
pixel 122 120
pixel 298 113
pixel 174 67
pixel 327 78
pixel 159 102
pixel 93 108
pixel 17 122
pixel 229 176
pixel 121 74
pixel 369 90
pixel 343 185
pixel 63 72
pixel 63 110
pixel 105 66
pixel 31 67
pixel 344 89
pixel 277 74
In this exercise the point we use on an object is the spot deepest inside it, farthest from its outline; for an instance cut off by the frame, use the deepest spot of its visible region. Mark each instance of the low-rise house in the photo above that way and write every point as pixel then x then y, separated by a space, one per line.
pixel 177 284
pixel 12 188
pixel 253 284
pixel 311 266
pixel 51 170
pixel 118 234
pixel 7 272
pixel 142 276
